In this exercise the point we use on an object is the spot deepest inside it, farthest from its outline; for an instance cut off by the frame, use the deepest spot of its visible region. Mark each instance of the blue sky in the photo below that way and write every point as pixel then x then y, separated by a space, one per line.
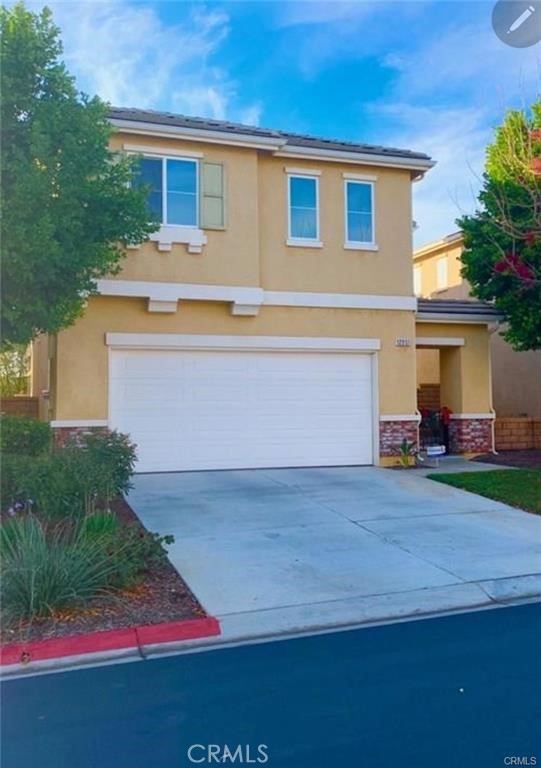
pixel 430 76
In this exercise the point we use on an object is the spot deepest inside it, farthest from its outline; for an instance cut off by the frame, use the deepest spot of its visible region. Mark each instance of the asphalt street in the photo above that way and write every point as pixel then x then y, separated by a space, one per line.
pixel 451 692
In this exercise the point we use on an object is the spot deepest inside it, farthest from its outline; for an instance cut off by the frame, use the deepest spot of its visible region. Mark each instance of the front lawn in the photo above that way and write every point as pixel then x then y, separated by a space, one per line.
pixel 517 487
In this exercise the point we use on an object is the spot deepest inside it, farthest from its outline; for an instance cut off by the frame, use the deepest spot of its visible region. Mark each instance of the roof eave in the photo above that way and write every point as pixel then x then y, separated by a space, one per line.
pixel 278 146
pixel 196 134
pixel 457 317
pixel 420 165
pixel 436 245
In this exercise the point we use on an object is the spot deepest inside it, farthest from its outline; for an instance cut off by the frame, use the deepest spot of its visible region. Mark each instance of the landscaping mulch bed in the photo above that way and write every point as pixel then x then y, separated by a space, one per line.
pixel 162 596
pixel 522 459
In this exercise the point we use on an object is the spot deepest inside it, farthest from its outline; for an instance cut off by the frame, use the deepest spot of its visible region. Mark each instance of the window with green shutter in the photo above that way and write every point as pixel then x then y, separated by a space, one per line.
pixel 212 195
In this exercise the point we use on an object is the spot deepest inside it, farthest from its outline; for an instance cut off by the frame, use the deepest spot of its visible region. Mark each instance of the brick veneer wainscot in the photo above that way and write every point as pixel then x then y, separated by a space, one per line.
pixel 62 434
pixel 470 435
pixel 391 434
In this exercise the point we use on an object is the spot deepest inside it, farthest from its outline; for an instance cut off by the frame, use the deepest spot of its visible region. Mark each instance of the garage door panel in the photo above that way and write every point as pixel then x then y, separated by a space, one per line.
pixel 228 410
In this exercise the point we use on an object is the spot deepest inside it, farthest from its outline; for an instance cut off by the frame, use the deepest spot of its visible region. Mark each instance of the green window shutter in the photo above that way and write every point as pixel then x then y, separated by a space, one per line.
pixel 212 196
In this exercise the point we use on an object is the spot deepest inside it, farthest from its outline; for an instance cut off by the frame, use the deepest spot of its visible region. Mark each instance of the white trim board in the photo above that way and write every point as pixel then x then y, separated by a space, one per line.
pixel 269 343
pixel 142 149
pixel 439 341
pixel 338 300
pixel 401 417
pixel 176 291
pixel 79 423
pixel 252 295
pixel 473 416
pixel 301 171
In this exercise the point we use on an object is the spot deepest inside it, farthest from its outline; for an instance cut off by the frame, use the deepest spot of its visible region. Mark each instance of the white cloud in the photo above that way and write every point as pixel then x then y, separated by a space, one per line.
pixel 127 55
pixel 447 98
pixel 456 138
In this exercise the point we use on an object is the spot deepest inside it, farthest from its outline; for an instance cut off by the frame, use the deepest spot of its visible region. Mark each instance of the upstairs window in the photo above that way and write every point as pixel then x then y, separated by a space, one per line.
pixel 359 213
pixel 173 183
pixel 303 208
pixel 441 273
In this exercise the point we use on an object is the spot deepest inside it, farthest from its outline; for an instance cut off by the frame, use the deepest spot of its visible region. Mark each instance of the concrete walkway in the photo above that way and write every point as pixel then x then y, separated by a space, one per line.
pixel 285 550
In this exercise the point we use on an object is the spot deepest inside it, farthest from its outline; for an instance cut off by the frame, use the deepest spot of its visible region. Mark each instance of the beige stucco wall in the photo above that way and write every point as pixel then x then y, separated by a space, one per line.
pixel 332 267
pixel 464 370
pixel 516 378
pixel 252 249
pixel 427 263
pixel 428 366
pixel 231 256
pixel 82 357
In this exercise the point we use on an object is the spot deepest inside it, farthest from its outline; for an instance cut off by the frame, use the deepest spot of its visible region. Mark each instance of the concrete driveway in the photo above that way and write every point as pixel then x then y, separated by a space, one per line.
pixel 282 550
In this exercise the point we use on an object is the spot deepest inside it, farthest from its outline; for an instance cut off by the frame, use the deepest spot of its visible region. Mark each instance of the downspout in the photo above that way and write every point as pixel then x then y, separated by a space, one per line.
pixel 491 330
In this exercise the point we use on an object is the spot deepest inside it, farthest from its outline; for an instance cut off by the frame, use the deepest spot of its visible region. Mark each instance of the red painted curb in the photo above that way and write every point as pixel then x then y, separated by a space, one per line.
pixel 108 640
pixel 177 630
pixel 71 645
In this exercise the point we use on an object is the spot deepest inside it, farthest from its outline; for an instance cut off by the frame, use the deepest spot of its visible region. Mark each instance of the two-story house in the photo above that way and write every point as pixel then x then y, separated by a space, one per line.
pixel 271 320
pixel 437 274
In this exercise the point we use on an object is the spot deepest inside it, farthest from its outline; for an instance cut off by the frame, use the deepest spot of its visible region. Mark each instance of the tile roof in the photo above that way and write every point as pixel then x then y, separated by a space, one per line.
pixel 290 139
pixel 467 307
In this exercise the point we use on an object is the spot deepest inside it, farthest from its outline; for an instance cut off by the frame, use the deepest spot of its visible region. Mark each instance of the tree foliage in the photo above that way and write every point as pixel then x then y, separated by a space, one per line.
pixel 67 204
pixel 502 256
pixel 14 371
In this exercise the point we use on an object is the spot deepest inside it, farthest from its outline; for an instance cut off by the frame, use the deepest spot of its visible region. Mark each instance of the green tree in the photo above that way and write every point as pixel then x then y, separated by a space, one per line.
pixel 66 200
pixel 502 256
pixel 14 371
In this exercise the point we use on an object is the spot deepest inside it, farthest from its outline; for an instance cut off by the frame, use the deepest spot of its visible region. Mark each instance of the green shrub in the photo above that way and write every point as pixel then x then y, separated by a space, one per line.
pixel 46 571
pixel 113 454
pixel 100 523
pixel 71 481
pixel 14 476
pixel 136 551
pixel 46 568
pixel 58 484
pixel 27 437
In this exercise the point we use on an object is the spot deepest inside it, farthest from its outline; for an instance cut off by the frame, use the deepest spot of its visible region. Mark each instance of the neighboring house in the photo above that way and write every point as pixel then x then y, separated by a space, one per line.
pixel 271 320
pixel 516 376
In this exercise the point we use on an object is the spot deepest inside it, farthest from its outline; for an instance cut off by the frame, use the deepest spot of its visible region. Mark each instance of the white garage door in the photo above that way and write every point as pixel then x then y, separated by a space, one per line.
pixel 228 410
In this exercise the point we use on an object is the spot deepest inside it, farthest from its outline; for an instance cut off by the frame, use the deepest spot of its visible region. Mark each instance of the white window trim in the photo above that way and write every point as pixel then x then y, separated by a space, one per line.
pixel 189 158
pixel 168 234
pixel 310 242
pixel 301 171
pixel 359 176
pixel 195 162
pixel 148 151
pixel 359 245
pixel 300 242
